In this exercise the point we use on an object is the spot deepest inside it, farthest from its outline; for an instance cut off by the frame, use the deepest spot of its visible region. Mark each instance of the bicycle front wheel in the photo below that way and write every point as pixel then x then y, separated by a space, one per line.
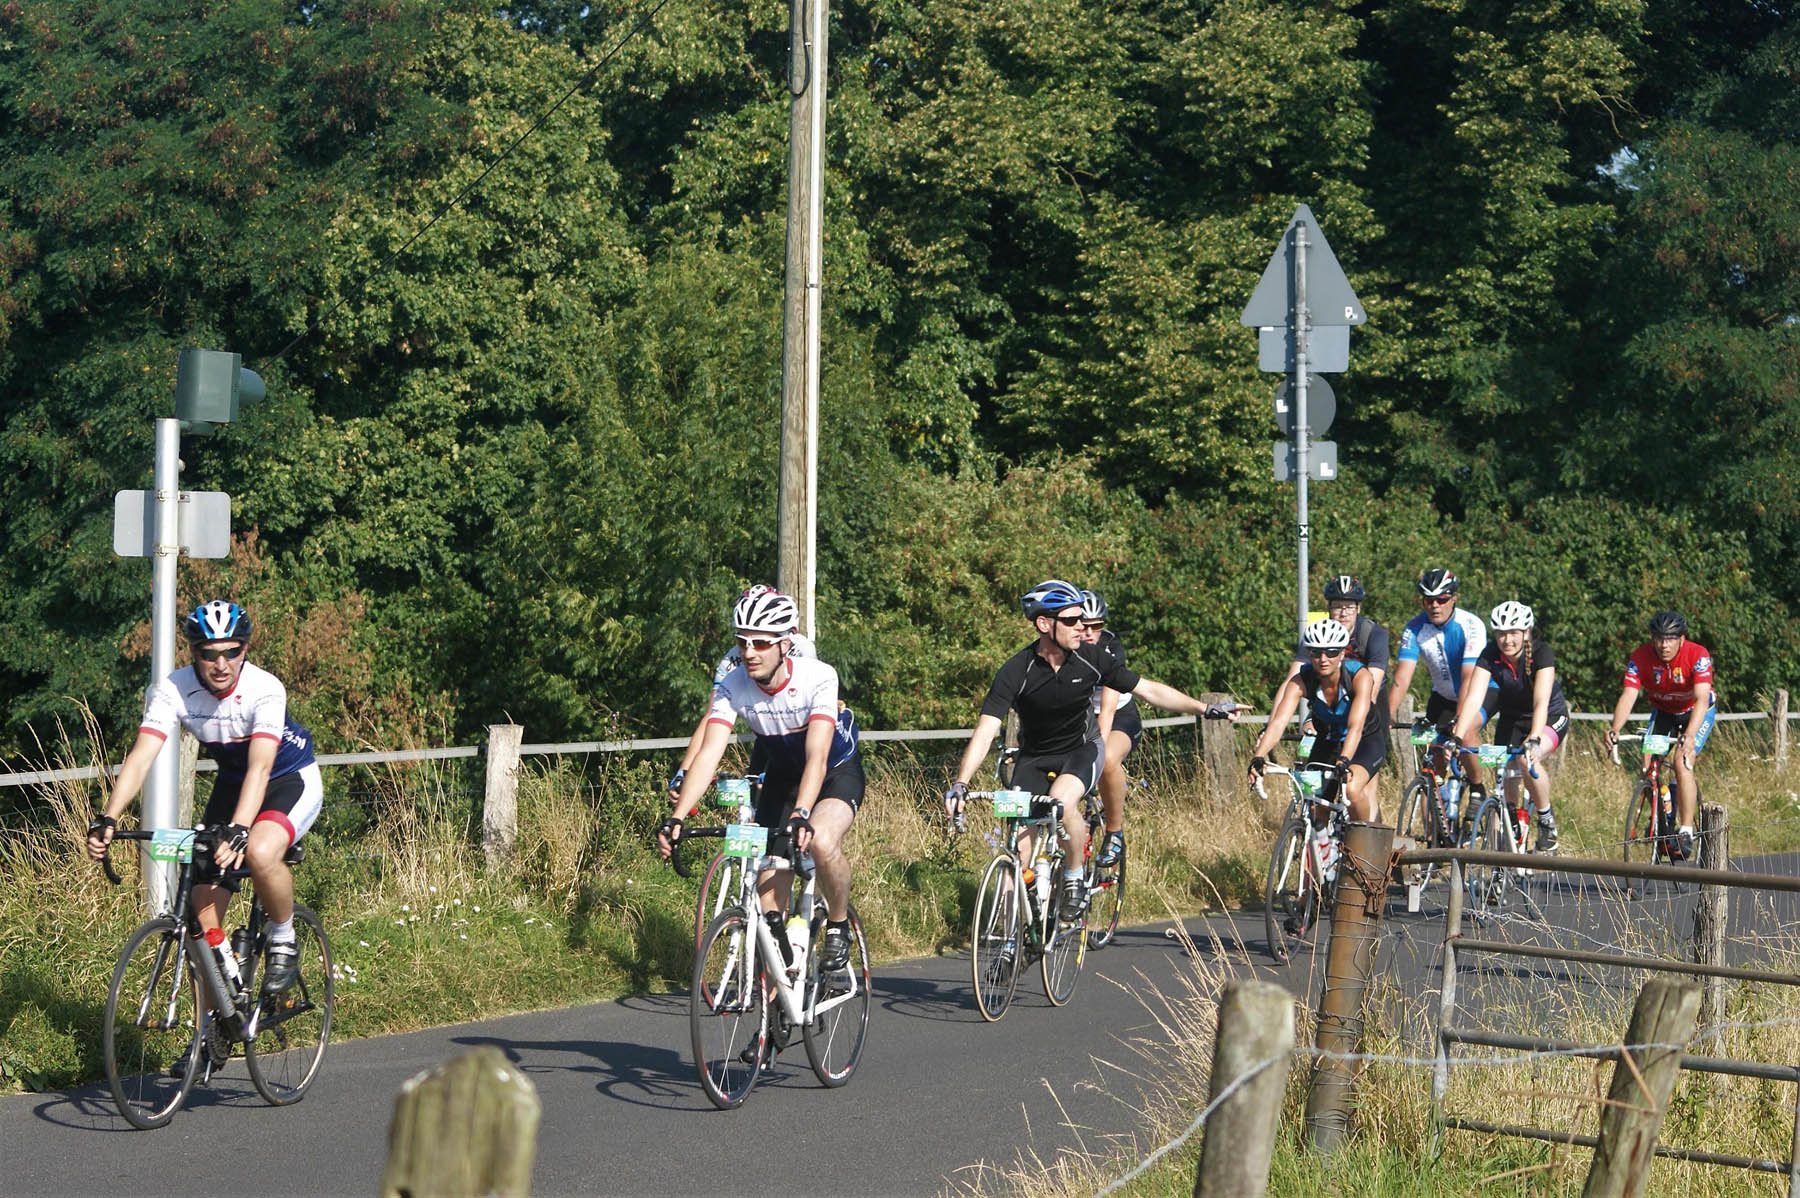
pixel 1106 901
pixel 1488 883
pixel 1290 898
pixel 1640 842
pixel 1065 948
pixel 727 1010
pixel 293 1027
pixel 839 1007
pixel 1419 820
pixel 994 939
pixel 153 1016
pixel 719 888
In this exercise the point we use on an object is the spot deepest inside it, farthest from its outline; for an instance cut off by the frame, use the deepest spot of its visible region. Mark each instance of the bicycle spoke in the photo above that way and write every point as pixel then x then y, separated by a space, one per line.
pixel 840 1011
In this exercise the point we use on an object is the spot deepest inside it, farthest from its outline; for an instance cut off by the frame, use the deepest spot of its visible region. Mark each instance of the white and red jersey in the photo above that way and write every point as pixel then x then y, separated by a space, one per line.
pixel 1669 685
pixel 779 718
pixel 226 724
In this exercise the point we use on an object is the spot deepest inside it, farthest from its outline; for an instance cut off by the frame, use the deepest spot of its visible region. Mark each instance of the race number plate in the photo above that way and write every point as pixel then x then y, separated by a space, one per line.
pixel 172 844
pixel 746 840
pixel 732 792
pixel 1424 736
pixel 1311 781
pixel 1012 804
pixel 1493 755
pixel 1656 746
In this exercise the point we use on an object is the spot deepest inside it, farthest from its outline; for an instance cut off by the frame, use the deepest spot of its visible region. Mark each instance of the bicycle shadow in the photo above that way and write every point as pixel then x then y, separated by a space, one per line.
pixel 646 1075
pixel 91 1107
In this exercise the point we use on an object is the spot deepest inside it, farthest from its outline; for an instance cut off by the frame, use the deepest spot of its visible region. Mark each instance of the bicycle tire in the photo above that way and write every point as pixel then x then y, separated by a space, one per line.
pixel 719 887
pixel 1290 897
pixel 151 985
pixel 294 1027
pixel 1487 884
pixel 1641 843
pixel 1106 901
pixel 834 1037
pixel 1419 820
pixel 996 926
pixel 727 1002
pixel 1065 949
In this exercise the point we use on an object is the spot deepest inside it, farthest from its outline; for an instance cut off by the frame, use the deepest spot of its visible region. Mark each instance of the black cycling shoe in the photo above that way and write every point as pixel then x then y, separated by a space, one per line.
pixel 748 1056
pixel 1074 899
pixel 217 1049
pixel 834 950
pixel 283 966
pixel 1111 850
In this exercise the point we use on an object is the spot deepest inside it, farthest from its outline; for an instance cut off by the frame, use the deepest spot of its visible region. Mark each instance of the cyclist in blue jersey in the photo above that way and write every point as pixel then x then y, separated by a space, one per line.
pixel 813 777
pixel 1349 727
pixel 1449 640
pixel 1515 680
pixel 268 791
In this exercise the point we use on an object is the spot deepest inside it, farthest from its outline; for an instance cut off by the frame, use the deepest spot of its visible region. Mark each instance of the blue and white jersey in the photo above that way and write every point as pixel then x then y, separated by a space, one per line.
pixel 779 718
pixel 1445 649
pixel 801 646
pixel 226 724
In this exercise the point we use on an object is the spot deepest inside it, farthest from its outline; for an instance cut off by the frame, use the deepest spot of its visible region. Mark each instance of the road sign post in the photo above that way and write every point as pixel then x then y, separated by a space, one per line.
pixel 1297 302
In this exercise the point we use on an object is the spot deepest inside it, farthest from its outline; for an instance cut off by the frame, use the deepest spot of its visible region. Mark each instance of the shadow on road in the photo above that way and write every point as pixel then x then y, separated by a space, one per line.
pixel 638 1073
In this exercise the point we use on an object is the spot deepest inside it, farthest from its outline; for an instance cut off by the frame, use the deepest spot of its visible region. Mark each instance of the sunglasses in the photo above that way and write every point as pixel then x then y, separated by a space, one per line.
pixel 1436 600
pixel 1067 621
pixel 218 654
pixel 1096 625
pixel 1325 652
pixel 759 643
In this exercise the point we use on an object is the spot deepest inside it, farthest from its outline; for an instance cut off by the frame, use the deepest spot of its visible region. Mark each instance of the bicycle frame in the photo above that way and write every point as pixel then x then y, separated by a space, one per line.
pixel 1657 773
pixel 1302 805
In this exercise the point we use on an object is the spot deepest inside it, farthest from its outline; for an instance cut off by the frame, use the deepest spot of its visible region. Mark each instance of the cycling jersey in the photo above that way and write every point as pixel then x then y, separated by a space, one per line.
pixel 1368 645
pixel 799 646
pixel 1055 706
pixel 1512 689
pixel 256 706
pixel 1111 646
pixel 779 718
pixel 1669 685
pixel 1331 721
pixel 1445 649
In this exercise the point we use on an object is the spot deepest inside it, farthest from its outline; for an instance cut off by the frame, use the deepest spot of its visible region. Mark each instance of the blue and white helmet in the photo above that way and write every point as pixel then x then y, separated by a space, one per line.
pixel 1049 597
pixel 1093 607
pixel 217 620
pixel 766 610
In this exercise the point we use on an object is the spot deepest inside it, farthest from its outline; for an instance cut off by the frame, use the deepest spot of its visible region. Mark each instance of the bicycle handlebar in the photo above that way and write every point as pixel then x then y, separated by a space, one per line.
pixel 675 862
pixel 203 842
pixel 1675 742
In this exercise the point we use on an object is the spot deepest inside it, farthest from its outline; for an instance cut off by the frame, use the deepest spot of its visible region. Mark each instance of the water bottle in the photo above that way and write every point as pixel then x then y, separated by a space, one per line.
pixel 240 944
pixel 1452 792
pixel 228 962
pixel 1325 852
pixel 1519 828
pixel 798 934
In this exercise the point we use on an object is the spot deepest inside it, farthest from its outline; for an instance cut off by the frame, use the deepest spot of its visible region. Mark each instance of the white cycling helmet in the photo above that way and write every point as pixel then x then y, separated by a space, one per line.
pixel 766 610
pixel 1325 634
pixel 1512 616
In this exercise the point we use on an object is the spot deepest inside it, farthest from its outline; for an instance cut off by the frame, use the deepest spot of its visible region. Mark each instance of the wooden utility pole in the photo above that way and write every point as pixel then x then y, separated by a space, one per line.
pixel 800 312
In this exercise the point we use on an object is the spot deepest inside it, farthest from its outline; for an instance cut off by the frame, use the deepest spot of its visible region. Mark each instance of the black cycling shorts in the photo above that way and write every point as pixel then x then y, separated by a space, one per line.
pixel 1512 729
pixel 1440 713
pixel 1371 751
pixel 1085 762
pixel 292 801
pixel 1127 720
pixel 844 782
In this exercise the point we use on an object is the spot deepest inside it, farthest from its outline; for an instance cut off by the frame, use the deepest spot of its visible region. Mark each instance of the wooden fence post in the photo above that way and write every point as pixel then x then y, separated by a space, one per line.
pixel 1642 1081
pixel 1710 911
pixel 1781 729
pixel 184 788
pixel 1219 747
pixel 1400 750
pixel 464 1129
pixel 1256 1023
pixel 500 807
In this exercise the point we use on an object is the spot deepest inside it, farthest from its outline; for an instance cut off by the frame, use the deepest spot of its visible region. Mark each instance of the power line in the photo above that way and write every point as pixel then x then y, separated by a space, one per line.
pixel 456 201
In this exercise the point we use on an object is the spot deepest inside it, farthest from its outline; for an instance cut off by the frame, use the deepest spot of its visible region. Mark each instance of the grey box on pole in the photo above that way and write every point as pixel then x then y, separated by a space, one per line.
pixel 1321 461
pixel 204 520
pixel 1327 349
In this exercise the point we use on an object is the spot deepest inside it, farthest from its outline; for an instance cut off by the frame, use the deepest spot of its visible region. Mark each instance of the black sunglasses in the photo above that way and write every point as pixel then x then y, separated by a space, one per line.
pixel 1067 621
pixel 1325 652
pixel 218 654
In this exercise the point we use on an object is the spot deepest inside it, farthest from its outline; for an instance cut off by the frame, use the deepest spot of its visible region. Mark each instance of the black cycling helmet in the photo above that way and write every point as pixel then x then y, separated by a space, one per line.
pixel 1049 597
pixel 1667 623
pixel 1344 588
pixel 217 620
pixel 1437 581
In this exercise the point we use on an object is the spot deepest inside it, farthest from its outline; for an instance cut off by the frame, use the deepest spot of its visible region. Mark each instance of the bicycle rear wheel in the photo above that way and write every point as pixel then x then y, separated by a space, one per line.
pixel 1065 948
pixel 1419 820
pixel 994 939
pixel 1290 896
pixel 153 1016
pixel 840 1009
pixel 294 1026
pixel 1488 884
pixel 728 1014
pixel 1106 900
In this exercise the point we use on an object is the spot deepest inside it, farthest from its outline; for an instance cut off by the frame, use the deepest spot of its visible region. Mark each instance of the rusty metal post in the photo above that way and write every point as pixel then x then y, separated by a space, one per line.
pixel 1349 965
pixel 1440 1070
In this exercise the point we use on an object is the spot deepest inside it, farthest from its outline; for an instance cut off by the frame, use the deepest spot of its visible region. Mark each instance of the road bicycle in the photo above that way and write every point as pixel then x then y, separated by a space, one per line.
pixel 1436 805
pixel 177 1006
pixel 1650 821
pixel 1303 866
pixel 1105 883
pixel 1017 907
pixel 757 978
pixel 1501 825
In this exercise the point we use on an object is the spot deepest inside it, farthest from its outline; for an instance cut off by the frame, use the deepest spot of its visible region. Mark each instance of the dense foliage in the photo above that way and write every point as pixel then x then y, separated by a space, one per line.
pixel 519 447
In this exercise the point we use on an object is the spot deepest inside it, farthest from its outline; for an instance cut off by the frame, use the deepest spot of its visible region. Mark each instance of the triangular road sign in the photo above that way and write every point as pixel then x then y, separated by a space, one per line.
pixel 1329 298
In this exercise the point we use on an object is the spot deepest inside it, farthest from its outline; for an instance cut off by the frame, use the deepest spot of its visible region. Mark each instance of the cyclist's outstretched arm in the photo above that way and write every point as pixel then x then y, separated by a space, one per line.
pixel 715 735
pixel 1161 694
pixel 987 727
pixel 1287 701
pixel 1628 697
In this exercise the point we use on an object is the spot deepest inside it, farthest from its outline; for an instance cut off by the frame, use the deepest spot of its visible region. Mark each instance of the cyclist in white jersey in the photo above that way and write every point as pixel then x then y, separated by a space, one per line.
pixel 268 791
pixel 1449 640
pixel 799 645
pixel 813 776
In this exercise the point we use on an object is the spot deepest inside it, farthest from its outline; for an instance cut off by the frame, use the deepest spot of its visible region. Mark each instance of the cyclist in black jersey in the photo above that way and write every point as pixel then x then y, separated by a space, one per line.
pixel 1350 727
pixel 1050 683
pixel 1121 727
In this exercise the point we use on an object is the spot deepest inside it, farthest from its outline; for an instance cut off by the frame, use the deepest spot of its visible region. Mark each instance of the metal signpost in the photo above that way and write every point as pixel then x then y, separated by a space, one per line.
pixel 1302 310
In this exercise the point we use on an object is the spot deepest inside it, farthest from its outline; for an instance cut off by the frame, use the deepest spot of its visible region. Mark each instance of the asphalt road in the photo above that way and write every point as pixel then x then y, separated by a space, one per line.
pixel 939 1091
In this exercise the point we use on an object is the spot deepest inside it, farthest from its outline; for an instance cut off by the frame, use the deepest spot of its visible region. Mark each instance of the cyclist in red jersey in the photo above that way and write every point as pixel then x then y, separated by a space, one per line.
pixel 1677 675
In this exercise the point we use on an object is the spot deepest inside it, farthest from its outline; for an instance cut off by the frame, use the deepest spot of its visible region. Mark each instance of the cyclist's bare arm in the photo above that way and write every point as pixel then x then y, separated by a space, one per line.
pixel 1287 701
pixel 1468 706
pixel 715 735
pixel 987 727
pixel 1161 694
pixel 1403 675
pixel 1362 697
pixel 819 732
pixel 126 787
pixel 250 796
pixel 1628 697
pixel 1109 704
pixel 1540 699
